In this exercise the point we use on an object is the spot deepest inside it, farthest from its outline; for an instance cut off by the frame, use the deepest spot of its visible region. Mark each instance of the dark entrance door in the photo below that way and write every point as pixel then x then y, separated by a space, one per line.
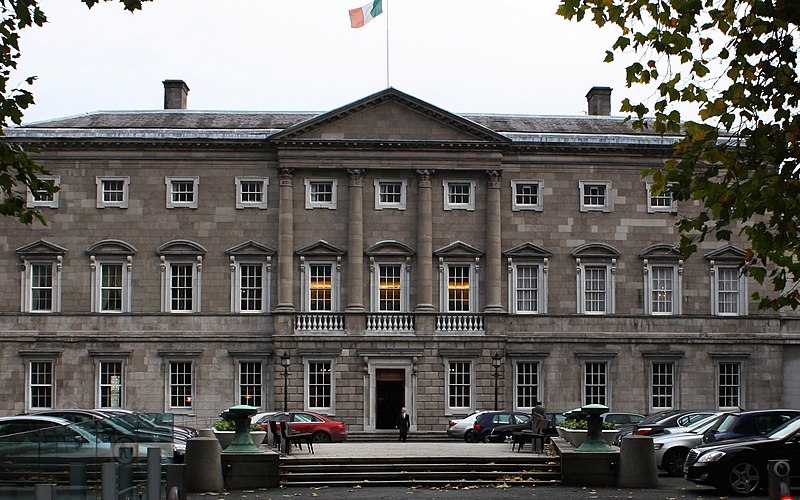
pixel 390 396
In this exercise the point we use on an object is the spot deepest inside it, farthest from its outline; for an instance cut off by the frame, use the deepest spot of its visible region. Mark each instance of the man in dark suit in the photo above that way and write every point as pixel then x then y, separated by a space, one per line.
pixel 403 423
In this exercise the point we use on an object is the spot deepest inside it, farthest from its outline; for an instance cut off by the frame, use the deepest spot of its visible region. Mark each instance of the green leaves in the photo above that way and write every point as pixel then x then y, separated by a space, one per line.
pixel 736 60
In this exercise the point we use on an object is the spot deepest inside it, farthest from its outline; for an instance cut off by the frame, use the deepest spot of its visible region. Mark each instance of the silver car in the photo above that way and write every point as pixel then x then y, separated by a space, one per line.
pixel 671 449
pixel 461 428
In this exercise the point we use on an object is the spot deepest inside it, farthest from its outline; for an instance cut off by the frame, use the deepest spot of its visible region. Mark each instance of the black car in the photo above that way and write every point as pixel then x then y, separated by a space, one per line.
pixel 503 433
pixel 658 423
pixel 739 467
pixel 486 422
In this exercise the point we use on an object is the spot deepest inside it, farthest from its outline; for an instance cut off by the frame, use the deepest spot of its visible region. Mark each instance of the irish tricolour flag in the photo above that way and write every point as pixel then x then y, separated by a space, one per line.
pixel 361 16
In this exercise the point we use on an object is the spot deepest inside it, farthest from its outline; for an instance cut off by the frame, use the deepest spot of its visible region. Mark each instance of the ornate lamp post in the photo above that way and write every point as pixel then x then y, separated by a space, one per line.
pixel 497 360
pixel 285 362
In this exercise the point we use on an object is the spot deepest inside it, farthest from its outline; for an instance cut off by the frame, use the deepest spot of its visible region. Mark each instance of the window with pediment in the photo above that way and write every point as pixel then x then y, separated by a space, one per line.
pixel 251 277
pixel 459 268
pixel 41 264
pixel 320 266
pixel 663 279
pixel 390 267
pixel 596 265
pixel 111 263
pixel 728 281
pixel 181 276
pixel 527 279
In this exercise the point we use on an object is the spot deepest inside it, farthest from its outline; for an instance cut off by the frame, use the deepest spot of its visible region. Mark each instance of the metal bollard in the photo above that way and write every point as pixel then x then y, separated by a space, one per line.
pixel 44 491
pixel 108 481
pixel 153 474
pixel 779 473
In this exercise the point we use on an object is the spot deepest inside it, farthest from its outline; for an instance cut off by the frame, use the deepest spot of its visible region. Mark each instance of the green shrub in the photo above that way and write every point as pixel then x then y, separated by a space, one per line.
pixel 228 425
pixel 582 424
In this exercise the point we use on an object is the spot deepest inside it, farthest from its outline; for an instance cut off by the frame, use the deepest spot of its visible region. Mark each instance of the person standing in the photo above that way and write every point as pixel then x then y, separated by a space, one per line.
pixel 538 408
pixel 403 423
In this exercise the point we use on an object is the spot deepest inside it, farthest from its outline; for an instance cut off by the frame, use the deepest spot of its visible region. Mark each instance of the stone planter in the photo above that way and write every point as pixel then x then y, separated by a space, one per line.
pixel 226 437
pixel 575 437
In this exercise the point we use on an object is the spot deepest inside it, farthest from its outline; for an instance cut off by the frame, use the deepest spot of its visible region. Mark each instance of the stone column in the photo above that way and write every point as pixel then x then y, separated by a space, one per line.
pixel 285 242
pixel 424 243
pixel 355 242
pixel 493 244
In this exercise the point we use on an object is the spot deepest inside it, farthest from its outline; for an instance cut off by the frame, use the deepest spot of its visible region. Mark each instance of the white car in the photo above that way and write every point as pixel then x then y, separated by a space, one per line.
pixel 461 428
pixel 672 448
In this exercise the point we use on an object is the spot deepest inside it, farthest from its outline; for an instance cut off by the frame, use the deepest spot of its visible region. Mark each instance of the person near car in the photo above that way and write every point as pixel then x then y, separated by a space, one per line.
pixel 538 408
pixel 403 423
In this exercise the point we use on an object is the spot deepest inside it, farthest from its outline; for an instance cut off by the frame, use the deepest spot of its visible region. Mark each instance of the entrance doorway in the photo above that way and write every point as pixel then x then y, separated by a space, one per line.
pixel 390 396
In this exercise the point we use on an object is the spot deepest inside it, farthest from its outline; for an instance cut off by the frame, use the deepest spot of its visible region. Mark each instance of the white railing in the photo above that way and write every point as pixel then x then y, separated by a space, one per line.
pixel 459 323
pixel 317 322
pixel 390 323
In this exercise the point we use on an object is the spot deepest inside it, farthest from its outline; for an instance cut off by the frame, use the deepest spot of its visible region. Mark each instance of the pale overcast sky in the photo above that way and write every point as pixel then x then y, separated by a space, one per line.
pixel 466 56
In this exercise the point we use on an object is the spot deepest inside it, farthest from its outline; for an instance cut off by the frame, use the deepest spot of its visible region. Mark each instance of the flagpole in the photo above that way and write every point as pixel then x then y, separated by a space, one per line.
pixel 387 43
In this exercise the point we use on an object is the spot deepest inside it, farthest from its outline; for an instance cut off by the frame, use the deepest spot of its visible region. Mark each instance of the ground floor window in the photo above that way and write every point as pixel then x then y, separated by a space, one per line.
pixel 595 383
pixel 527 384
pixel 110 384
pixel 320 385
pixel 181 379
pixel 251 383
pixel 41 385
pixel 729 385
pixel 459 385
pixel 662 386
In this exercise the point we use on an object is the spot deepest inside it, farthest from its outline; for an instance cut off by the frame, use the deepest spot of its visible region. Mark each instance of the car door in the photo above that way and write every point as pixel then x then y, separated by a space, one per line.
pixel 304 422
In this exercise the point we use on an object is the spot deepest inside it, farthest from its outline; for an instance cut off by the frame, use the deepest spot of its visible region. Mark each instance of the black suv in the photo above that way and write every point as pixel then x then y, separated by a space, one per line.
pixel 484 424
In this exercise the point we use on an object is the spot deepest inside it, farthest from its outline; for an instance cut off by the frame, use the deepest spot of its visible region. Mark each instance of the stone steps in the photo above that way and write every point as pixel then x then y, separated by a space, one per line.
pixel 391 435
pixel 420 471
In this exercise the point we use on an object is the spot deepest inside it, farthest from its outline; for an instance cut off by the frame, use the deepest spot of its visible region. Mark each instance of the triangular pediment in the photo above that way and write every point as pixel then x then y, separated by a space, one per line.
pixel 728 252
pixel 41 247
pixel 250 248
pixel 458 249
pixel 320 249
pixel 389 115
pixel 527 250
pixel 111 247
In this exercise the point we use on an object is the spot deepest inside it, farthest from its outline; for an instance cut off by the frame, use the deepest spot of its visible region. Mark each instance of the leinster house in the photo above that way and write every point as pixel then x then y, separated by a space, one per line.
pixel 386 253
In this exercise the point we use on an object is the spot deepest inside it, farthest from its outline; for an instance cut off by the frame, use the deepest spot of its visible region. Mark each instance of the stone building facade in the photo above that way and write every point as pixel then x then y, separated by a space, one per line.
pixel 389 250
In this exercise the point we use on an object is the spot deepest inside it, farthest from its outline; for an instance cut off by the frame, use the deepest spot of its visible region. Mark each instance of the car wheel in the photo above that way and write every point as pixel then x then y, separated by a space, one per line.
pixel 486 438
pixel 468 437
pixel 321 437
pixel 743 478
pixel 673 461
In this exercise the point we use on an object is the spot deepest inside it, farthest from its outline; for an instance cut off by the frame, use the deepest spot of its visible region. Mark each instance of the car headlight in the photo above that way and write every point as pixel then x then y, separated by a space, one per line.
pixel 711 456
pixel 658 446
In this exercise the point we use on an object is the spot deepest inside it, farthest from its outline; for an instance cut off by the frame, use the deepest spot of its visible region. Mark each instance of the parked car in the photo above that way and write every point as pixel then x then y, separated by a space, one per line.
pixel 748 423
pixel 321 428
pixel 667 421
pixel 622 419
pixel 460 427
pixel 671 449
pixel 739 467
pixel 489 420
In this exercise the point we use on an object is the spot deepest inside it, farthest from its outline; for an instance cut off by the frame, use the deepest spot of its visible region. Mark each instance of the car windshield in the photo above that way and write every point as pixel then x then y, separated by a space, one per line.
pixel 786 429
pixel 656 417
pixel 704 425
pixel 726 423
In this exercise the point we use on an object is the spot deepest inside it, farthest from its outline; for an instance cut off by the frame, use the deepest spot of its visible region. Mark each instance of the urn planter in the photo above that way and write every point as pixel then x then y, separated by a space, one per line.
pixel 226 437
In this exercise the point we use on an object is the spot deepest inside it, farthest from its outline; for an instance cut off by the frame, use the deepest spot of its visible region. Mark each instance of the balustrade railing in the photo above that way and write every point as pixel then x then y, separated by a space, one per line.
pixel 390 323
pixel 319 322
pixel 459 323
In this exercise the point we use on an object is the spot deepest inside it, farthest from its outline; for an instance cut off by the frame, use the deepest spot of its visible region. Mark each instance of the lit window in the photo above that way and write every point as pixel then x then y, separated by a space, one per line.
pixel 390 194
pixel 320 287
pixel 595 383
pixel 660 203
pixel 459 385
pixel 458 288
pixel 110 384
pixel 251 383
pixel 526 195
pixel 41 385
pixel 595 196
pixel 41 197
pixel 112 192
pixel 321 193
pixel 182 192
pixel 181 384
pixel 662 290
pixel 251 192
pixel 390 292
pixel 320 384
pixel 459 195
pixel 527 384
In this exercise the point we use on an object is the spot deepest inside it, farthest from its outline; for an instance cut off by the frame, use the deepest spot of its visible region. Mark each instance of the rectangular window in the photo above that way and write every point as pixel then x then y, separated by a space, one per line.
pixel 527 195
pixel 459 195
pixel 41 197
pixel 595 290
pixel 42 287
pixel 251 192
pixel 112 192
pixel 729 385
pixel 250 384
pixel 595 385
pixel 389 288
pixel 320 287
pixel 111 287
pixel 181 287
pixel 662 386
pixel 251 287
pixel 41 385
pixel 662 289
pixel 595 196
pixel 660 203
pixel 459 384
pixel 728 290
pixel 182 192
pixel 321 193
pixel 390 195
pixel 320 384
pixel 180 384
pixel 527 386
pixel 458 288
pixel 527 288
pixel 110 384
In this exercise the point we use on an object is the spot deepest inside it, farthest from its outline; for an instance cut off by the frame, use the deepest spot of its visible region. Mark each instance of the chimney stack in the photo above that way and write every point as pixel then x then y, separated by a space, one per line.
pixel 599 99
pixel 175 94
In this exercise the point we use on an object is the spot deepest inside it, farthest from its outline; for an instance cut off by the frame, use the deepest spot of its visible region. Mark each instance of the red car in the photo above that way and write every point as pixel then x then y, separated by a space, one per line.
pixel 323 429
